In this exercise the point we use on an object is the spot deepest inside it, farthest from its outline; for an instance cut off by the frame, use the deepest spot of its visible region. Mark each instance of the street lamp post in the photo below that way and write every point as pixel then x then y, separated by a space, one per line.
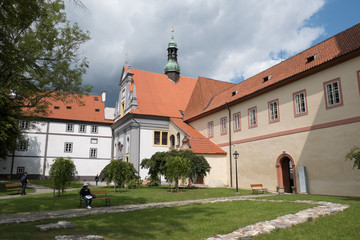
pixel 236 156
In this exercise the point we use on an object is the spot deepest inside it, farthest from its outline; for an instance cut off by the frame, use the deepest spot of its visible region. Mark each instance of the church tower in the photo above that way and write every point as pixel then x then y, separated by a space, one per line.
pixel 172 68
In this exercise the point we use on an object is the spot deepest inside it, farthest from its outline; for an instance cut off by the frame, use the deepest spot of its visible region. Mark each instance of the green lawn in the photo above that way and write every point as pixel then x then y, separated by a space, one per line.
pixel 143 194
pixel 196 221
pixel 343 225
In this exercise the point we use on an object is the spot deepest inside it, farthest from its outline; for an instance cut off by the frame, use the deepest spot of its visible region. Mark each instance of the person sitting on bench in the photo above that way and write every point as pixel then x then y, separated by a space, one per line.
pixel 86 195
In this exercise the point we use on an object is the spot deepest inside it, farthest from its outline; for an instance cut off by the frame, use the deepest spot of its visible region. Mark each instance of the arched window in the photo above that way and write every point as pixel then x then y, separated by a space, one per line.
pixel 178 139
pixel 172 141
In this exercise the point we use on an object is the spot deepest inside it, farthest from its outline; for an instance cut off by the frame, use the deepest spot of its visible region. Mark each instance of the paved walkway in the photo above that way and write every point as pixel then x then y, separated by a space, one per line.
pixel 321 209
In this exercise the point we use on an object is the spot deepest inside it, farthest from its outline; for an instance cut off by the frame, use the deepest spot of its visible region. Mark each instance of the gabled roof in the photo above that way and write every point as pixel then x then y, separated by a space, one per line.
pixel 341 46
pixel 202 94
pixel 159 96
pixel 89 110
pixel 198 143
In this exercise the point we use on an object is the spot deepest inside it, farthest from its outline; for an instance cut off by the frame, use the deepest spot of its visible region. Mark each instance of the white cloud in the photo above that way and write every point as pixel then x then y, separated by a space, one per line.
pixel 217 39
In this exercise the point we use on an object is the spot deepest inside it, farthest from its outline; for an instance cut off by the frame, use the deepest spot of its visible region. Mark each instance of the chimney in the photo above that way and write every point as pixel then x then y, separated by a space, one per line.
pixel 103 98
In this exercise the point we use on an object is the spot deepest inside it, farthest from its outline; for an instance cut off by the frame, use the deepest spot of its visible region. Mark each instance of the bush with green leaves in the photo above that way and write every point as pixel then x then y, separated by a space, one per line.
pixel 62 172
pixel 121 173
pixel 199 167
pixel 176 168
pixel 354 155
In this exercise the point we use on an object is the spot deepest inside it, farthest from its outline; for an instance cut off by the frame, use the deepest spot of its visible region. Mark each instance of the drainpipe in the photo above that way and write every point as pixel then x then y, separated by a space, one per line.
pixel 132 117
pixel 230 155
pixel 46 149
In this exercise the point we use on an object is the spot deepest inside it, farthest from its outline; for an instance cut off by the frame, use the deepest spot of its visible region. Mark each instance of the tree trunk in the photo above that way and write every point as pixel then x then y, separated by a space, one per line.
pixel 177 185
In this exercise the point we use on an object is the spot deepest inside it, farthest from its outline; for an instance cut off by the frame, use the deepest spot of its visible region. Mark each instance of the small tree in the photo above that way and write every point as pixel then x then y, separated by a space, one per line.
pixel 156 166
pixel 354 155
pixel 62 172
pixel 176 168
pixel 199 167
pixel 121 173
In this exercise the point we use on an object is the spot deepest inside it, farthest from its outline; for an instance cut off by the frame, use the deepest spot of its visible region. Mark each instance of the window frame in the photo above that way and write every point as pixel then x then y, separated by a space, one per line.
pixel 223 126
pixel 71 147
pixel 358 76
pixel 80 126
pixel 255 117
pixel 210 130
pixel 24 125
pixel 325 84
pixel 93 150
pixel 161 140
pixel 234 122
pixel 23 145
pixel 69 127
pixel 277 111
pixel 96 129
pixel 305 103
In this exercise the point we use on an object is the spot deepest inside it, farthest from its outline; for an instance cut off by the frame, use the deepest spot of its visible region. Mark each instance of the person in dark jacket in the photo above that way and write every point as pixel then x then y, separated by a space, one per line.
pixel 24 180
pixel 97 179
pixel 86 195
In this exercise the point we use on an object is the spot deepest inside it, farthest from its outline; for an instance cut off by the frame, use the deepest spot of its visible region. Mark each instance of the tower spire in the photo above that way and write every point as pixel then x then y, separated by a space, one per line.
pixel 172 68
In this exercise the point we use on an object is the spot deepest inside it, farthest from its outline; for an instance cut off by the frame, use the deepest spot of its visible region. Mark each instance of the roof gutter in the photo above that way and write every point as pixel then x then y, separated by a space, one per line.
pixel 230 155
pixel 132 117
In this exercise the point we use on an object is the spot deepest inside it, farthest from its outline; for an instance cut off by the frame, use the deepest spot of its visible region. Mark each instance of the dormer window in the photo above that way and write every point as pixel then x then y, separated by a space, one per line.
pixel 56 107
pixel 311 58
pixel 68 107
pixel 97 110
pixel 96 99
pixel 267 78
pixel 234 93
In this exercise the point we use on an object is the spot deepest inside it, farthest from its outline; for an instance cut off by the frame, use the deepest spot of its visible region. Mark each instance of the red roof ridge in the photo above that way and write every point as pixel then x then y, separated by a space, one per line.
pixel 341 44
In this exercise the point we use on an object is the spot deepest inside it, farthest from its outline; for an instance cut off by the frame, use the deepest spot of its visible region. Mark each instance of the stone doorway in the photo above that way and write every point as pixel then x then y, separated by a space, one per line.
pixel 286 173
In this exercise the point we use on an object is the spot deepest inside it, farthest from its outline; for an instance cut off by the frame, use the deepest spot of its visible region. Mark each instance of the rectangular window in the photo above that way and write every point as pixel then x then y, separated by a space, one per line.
pixel 122 110
pixel 161 138
pixel 82 128
pixel 300 105
pixel 94 129
pixel 333 97
pixel 20 170
pixel 68 147
pixel 23 125
pixel 94 140
pixel 127 158
pixel 223 124
pixel 273 111
pixel 237 125
pixel 358 75
pixel 252 117
pixel 69 127
pixel 23 145
pixel 93 152
pixel 210 129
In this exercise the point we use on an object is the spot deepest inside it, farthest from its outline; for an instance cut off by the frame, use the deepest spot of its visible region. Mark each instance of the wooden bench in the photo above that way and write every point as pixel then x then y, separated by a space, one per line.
pixel 258 188
pixel 96 193
pixel 13 187
pixel 147 182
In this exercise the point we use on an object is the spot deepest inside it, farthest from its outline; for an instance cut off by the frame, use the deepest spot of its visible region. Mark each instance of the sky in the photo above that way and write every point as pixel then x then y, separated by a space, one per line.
pixel 227 40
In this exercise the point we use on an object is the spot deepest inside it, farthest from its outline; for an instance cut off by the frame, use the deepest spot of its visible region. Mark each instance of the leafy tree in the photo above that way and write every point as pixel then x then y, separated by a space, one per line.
pixel 199 167
pixel 354 155
pixel 176 168
pixel 62 172
pixel 121 173
pixel 156 166
pixel 38 62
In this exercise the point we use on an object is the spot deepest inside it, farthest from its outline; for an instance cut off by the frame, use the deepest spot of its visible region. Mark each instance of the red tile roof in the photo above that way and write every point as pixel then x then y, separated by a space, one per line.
pixel 198 143
pixel 204 90
pixel 342 44
pixel 159 96
pixel 90 110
